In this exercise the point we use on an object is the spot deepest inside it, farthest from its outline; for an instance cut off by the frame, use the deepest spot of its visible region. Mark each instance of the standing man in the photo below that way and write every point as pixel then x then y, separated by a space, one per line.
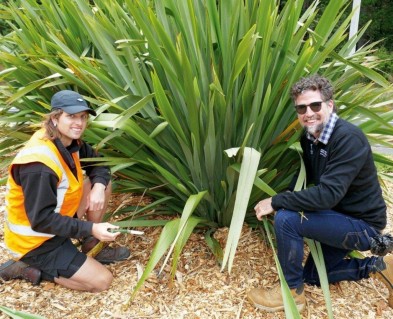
pixel 343 207
pixel 46 198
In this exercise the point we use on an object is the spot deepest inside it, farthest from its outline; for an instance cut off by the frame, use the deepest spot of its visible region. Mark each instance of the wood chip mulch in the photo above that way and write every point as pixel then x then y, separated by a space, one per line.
pixel 199 290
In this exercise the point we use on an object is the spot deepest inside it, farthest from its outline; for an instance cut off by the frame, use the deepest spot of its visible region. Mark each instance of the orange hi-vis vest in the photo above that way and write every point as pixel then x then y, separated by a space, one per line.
pixel 19 237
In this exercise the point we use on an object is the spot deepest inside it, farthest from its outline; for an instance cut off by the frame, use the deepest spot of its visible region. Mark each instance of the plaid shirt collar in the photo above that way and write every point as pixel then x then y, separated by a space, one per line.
pixel 327 131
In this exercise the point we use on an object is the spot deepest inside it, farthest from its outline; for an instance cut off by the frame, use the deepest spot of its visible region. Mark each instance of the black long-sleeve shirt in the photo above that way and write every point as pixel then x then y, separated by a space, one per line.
pixel 39 185
pixel 344 177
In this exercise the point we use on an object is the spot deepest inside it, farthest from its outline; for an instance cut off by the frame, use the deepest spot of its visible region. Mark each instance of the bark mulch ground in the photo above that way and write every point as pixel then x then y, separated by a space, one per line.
pixel 199 289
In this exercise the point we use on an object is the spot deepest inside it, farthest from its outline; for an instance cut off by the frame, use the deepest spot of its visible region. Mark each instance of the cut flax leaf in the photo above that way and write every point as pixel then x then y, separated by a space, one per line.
pixel 248 171
pixel 290 308
pixel 170 234
pixel 191 204
pixel 291 311
pixel 315 248
pixel 317 255
pixel 182 240
pixel 167 236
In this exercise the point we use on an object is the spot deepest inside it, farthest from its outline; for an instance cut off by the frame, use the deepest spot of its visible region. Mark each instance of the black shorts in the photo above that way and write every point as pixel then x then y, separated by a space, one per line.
pixel 65 260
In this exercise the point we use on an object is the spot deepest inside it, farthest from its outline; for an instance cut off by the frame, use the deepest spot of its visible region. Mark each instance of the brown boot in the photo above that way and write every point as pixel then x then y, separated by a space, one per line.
pixel 386 276
pixel 272 301
pixel 19 270
pixel 107 255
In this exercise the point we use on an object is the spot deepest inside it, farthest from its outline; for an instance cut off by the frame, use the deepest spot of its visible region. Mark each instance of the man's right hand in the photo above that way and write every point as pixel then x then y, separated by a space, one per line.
pixel 263 208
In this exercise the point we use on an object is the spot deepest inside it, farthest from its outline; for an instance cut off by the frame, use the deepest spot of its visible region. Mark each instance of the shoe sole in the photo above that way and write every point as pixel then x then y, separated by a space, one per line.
pixel 108 262
pixel 300 307
pixel 111 261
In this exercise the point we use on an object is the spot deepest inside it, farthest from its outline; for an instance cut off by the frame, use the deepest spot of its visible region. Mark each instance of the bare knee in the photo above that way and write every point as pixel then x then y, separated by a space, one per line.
pixel 108 190
pixel 103 282
pixel 91 277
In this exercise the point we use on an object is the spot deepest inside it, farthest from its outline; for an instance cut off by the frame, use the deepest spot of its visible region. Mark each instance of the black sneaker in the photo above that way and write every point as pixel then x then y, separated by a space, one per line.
pixel 110 255
pixel 107 255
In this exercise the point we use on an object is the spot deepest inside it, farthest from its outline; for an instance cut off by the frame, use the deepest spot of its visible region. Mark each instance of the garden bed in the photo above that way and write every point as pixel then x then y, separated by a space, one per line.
pixel 199 290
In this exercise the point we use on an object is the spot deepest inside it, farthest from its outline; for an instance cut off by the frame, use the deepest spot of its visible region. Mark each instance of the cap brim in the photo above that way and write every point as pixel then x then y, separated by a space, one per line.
pixel 77 109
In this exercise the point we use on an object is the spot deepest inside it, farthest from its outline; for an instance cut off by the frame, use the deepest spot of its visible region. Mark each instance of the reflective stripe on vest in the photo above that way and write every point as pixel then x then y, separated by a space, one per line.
pixel 19 237
pixel 44 150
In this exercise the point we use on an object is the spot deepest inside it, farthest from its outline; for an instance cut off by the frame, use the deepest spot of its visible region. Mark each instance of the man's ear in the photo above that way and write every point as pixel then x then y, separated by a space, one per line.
pixel 331 105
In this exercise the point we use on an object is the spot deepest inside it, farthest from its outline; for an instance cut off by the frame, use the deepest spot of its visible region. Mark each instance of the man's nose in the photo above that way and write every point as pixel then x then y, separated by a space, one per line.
pixel 309 111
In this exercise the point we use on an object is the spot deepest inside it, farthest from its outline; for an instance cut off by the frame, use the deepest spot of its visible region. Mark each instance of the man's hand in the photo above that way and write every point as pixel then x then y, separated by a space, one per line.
pixel 263 208
pixel 96 198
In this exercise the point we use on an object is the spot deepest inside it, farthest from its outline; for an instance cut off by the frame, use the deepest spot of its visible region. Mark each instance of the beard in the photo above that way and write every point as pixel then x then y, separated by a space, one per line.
pixel 315 130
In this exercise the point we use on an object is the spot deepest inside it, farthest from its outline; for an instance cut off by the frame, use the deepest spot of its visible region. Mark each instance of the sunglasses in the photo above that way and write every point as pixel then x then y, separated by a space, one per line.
pixel 314 106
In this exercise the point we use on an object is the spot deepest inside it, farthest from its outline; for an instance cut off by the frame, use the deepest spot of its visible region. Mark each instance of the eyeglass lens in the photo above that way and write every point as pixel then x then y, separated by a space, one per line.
pixel 314 106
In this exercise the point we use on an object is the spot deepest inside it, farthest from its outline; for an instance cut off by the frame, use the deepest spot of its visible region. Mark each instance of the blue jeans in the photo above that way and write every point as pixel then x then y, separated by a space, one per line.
pixel 338 234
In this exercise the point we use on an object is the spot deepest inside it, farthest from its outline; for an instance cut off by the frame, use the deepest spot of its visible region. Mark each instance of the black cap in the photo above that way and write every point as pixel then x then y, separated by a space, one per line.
pixel 70 102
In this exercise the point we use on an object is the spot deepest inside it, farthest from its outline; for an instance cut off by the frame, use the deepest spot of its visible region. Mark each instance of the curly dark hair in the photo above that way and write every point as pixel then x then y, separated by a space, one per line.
pixel 314 83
